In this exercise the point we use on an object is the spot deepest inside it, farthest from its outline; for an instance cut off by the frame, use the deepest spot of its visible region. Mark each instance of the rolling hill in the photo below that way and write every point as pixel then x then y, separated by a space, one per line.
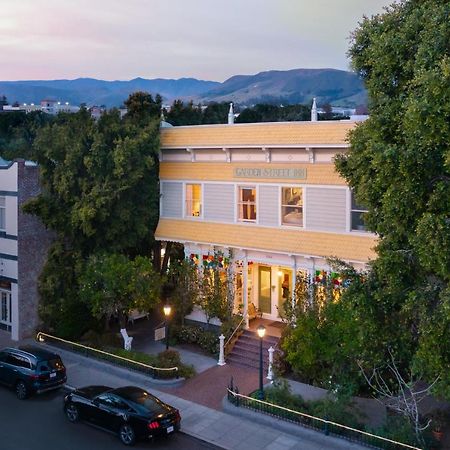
pixel 338 87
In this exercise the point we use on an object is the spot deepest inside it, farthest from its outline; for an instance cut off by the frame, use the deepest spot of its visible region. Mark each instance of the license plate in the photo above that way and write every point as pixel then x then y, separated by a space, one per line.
pixel 53 375
pixel 169 430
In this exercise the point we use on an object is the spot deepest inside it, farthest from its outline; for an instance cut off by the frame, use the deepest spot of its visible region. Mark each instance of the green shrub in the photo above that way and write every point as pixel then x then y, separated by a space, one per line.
pixel 166 359
pixel 169 358
pixel 209 342
pixel 281 394
pixel 398 429
pixel 189 334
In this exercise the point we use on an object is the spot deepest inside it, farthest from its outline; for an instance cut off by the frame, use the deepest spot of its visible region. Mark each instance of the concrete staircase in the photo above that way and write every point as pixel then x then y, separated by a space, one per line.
pixel 245 352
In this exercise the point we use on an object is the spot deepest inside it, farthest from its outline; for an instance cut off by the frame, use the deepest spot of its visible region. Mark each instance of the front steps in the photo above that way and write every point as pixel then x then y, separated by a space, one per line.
pixel 245 352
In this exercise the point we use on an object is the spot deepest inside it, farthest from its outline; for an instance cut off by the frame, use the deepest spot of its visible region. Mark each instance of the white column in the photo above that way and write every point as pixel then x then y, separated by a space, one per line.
pixel 270 371
pixel 221 361
pixel 311 276
pixel 244 288
pixel 294 280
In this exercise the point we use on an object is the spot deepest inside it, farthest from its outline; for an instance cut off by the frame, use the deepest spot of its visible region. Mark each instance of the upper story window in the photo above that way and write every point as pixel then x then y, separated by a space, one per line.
pixel 247 204
pixel 2 213
pixel 193 200
pixel 292 206
pixel 357 215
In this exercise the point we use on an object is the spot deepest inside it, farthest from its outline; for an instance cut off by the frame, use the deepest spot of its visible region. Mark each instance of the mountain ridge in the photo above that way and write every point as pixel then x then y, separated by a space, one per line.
pixel 274 86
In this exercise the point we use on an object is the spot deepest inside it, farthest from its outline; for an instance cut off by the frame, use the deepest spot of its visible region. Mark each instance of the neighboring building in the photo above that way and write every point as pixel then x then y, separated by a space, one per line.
pixel 46 105
pixel 24 242
pixel 265 198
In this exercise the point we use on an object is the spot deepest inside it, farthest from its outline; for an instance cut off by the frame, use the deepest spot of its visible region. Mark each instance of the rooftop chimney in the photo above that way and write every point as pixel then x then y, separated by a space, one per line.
pixel 314 111
pixel 231 115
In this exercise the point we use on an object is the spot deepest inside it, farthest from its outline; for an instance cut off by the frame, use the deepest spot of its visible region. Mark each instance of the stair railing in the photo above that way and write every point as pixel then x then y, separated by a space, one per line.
pixel 226 351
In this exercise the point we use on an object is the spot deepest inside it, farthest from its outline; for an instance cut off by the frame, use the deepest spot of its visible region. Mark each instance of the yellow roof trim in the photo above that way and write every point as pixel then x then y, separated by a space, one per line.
pixel 349 247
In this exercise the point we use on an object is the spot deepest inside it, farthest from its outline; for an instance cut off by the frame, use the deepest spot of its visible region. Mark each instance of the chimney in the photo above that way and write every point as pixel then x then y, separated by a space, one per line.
pixel 231 115
pixel 314 111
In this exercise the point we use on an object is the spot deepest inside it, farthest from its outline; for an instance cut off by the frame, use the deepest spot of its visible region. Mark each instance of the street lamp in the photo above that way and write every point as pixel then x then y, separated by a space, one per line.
pixel 261 330
pixel 167 309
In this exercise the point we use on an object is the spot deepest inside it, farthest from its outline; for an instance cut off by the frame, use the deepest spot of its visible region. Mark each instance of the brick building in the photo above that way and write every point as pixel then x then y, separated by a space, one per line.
pixel 24 243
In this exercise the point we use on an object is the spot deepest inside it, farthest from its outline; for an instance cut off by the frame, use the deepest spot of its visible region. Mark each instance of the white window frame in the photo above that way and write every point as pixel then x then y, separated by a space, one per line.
pixel 2 213
pixel 356 211
pixel 239 202
pixel 186 214
pixel 292 225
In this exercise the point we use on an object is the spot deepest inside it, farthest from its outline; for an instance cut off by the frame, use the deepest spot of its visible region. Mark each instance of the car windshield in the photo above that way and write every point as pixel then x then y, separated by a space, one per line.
pixel 144 399
pixel 51 364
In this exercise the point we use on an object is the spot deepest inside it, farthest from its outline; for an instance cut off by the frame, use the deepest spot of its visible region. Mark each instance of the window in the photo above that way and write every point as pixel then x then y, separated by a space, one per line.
pixel 193 200
pixel 2 213
pixel 292 206
pixel 357 216
pixel 247 204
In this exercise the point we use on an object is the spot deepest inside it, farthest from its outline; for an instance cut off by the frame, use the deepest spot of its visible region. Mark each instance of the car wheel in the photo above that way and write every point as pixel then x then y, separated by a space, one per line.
pixel 127 434
pixel 21 390
pixel 72 412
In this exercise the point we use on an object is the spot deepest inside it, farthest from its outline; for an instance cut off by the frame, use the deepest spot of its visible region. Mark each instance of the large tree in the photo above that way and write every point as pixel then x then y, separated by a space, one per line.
pixel 112 285
pixel 399 167
pixel 100 179
pixel 100 192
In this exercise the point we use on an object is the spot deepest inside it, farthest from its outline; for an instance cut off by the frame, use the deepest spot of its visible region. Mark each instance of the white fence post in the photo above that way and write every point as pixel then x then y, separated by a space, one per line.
pixel 221 361
pixel 270 371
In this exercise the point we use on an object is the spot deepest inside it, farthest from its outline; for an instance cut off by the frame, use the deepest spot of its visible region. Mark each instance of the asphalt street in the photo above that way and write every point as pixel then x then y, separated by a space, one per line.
pixel 39 423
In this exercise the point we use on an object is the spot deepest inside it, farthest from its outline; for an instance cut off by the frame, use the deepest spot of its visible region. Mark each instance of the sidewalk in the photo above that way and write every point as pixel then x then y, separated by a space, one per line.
pixel 231 430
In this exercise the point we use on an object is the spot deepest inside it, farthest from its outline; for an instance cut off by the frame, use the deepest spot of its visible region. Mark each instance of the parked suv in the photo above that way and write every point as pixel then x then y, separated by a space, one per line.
pixel 31 370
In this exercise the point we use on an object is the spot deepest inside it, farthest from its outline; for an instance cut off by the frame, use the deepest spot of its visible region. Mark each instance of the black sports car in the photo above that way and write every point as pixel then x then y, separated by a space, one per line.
pixel 130 411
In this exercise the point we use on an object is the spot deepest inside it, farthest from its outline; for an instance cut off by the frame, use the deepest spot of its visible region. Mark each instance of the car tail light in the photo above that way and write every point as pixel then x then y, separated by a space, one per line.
pixel 38 377
pixel 153 425
pixel 177 416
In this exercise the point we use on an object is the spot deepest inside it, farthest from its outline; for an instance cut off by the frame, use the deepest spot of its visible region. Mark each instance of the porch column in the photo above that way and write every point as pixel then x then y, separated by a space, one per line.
pixel 311 273
pixel 244 288
pixel 294 281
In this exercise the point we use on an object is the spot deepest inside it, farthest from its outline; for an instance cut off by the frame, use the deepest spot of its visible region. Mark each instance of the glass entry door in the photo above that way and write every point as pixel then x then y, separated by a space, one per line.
pixel 265 283
pixel 5 309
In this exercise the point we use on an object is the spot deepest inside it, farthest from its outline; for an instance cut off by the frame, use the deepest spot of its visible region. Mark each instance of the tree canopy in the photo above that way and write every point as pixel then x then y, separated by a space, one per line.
pixel 100 179
pixel 18 132
pixel 399 168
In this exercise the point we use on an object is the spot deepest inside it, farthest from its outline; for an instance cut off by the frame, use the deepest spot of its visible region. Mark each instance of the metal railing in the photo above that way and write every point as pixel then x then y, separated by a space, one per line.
pixel 154 372
pixel 226 351
pixel 317 423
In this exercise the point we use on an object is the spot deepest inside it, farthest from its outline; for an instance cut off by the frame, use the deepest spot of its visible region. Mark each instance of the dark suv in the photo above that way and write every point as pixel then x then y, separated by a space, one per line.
pixel 31 370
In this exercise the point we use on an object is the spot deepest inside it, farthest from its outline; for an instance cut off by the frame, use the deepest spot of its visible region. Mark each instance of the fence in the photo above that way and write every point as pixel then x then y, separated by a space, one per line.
pixel 154 372
pixel 317 423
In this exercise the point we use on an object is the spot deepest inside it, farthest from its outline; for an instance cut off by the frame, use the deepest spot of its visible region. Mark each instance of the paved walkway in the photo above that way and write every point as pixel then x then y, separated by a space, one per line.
pixel 237 429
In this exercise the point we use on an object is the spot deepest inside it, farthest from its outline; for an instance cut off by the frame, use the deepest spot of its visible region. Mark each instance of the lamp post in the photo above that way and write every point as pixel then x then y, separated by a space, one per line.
pixel 167 309
pixel 261 330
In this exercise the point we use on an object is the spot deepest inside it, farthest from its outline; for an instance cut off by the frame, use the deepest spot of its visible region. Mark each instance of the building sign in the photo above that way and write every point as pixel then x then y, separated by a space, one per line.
pixel 280 172
pixel 160 333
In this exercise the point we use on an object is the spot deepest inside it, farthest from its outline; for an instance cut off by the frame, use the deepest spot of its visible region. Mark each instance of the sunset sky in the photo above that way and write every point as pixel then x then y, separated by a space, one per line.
pixel 205 39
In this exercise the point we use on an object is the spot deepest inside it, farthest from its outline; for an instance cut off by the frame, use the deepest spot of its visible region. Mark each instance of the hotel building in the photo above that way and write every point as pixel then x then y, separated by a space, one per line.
pixel 267 198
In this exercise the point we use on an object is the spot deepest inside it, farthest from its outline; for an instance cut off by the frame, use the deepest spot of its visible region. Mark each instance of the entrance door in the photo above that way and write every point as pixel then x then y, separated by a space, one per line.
pixel 5 309
pixel 284 290
pixel 265 283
